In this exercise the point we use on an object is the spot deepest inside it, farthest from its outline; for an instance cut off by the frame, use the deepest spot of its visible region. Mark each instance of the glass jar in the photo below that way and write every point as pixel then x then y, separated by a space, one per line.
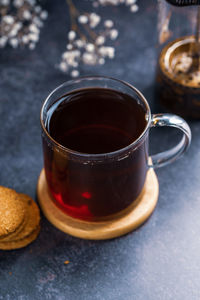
pixel 178 71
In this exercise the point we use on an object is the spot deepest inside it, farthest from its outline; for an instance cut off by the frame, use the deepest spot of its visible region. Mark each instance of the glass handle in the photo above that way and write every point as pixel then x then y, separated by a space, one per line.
pixel 166 157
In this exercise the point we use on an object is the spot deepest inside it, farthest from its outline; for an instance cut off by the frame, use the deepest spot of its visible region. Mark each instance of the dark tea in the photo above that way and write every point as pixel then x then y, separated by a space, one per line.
pixel 99 122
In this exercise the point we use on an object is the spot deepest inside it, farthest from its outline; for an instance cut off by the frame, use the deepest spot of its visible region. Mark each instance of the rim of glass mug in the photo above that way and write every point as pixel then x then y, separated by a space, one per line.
pixel 74 81
pixel 155 120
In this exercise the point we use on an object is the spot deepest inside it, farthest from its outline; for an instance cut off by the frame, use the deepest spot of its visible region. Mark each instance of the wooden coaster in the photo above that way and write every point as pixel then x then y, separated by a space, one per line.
pixel 134 216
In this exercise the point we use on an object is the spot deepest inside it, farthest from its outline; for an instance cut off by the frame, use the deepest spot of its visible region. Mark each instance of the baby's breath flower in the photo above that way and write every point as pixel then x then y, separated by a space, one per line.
pixel 113 34
pixel 100 40
pixel 17 26
pixel 108 23
pixel 27 15
pixel 90 47
pixel 128 3
pixel 18 3
pixel 25 39
pixel 31 2
pixel 20 23
pixel 37 21
pixel 92 37
pixel 83 19
pixel 8 19
pixel 75 73
pixel 33 37
pixel 14 42
pixel 94 20
pixel 69 47
pixel 101 61
pixel 109 2
pixel 34 28
pixel 134 8
pixel 89 58
pixel 3 41
pixel 12 33
pixel 38 9
pixel 31 46
pixel 63 66
pixel 79 43
pixel 44 15
pixel 5 2
pixel 70 57
pixel 107 51
pixel 71 35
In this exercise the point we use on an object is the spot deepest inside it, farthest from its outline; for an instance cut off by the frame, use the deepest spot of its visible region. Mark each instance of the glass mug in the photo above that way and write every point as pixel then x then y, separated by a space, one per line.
pixel 92 185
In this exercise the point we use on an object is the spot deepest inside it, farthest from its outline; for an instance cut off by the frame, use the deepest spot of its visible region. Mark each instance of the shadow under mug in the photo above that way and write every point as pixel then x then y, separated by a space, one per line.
pixel 96 186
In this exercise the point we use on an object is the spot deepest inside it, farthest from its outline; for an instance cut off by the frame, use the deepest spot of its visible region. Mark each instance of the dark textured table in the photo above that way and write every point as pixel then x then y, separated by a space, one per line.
pixel 160 260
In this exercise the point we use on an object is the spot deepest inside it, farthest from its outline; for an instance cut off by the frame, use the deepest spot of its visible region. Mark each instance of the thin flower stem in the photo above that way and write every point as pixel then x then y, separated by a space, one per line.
pixel 92 34
pixel 74 13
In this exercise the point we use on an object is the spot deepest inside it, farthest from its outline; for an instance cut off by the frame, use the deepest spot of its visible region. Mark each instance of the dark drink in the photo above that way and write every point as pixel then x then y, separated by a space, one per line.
pixel 95 121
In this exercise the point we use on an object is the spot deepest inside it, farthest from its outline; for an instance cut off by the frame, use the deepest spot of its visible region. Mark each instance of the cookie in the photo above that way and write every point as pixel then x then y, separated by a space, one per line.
pixel 11 211
pixel 20 243
pixel 32 220
pixel 11 235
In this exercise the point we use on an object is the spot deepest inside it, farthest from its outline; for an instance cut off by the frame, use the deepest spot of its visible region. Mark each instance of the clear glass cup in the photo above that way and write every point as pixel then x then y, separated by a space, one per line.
pixel 97 186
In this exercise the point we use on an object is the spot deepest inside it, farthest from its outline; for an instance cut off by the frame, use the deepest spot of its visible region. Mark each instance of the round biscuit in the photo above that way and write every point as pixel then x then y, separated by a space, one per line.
pixel 11 236
pixel 11 211
pixel 20 243
pixel 32 214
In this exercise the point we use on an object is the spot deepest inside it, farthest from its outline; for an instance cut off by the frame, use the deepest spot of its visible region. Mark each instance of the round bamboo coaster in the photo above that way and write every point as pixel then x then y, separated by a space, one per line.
pixel 129 219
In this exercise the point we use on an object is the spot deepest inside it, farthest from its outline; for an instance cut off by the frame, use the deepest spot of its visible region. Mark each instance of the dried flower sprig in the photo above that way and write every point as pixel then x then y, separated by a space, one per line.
pixel 130 3
pixel 20 22
pixel 90 37
pixel 86 45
